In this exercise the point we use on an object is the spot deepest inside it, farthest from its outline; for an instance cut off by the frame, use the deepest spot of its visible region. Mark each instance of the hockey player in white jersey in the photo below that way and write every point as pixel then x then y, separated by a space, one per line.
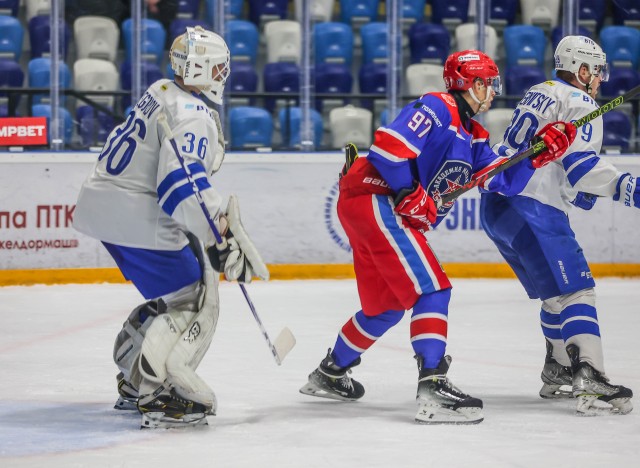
pixel 138 201
pixel 533 234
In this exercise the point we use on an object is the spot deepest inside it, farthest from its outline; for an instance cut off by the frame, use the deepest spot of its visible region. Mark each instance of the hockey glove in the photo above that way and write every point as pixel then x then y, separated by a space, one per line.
pixel 585 200
pixel 628 191
pixel 416 207
pixel 557 142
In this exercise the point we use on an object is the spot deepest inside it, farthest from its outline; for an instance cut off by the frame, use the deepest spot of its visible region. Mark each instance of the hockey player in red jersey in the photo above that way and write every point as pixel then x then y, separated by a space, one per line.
pixel 388 201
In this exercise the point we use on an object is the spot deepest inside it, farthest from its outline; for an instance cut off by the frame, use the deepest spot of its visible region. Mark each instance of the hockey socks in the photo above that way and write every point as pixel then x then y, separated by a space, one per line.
pixel 360 333
pixel 429 327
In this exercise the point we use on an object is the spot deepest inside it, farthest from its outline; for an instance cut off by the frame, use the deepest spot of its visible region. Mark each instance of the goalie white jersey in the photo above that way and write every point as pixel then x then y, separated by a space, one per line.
pixel 580 169
pixel 137 167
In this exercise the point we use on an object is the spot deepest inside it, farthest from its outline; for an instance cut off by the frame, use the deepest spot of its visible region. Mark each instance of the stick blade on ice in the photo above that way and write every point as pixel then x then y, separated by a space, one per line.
pixel 283 344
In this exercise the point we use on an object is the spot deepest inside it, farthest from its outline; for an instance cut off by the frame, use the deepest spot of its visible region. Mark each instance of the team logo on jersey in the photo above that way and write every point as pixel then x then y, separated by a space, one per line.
pixel 331 219
pixel 449 99
pixel 194 332
pixel 451 176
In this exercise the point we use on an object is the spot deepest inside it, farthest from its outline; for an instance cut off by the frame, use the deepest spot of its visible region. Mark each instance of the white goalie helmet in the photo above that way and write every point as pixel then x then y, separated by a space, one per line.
pixel 202 59
pixel 573 51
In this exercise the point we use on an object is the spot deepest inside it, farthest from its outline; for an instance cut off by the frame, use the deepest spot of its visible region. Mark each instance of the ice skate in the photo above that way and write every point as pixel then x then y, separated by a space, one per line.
pixel 556 379
pixel 331 381
pixel 440 402
pixel 128 399
pixel 166 409
pixel 594 392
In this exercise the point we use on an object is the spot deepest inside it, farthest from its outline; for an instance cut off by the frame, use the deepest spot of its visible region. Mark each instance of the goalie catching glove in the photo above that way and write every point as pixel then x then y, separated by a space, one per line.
pixel 237 257
pixel 556 140
pixel 416 207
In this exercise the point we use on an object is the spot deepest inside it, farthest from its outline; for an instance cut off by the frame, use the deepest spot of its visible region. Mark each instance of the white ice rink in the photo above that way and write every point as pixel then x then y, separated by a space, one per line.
pixel 58 384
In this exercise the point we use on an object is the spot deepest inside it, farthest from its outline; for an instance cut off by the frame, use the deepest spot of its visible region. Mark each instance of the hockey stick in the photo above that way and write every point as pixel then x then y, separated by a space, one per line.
pixel 285 340
pixel 535 149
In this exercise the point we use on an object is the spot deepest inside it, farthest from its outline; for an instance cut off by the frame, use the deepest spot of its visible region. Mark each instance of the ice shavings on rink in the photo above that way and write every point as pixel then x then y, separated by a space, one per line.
pixel 58 384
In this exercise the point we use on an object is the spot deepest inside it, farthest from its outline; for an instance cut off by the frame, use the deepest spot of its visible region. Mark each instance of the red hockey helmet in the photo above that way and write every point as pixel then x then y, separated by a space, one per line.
pixel 462 68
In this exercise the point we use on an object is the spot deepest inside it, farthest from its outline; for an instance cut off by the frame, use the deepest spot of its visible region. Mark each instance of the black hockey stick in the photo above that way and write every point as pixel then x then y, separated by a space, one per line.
pixel 536 149
pixel 285 340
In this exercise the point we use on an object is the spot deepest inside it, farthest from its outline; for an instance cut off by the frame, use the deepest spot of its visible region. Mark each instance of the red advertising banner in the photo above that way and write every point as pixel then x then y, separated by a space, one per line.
pixel 23 131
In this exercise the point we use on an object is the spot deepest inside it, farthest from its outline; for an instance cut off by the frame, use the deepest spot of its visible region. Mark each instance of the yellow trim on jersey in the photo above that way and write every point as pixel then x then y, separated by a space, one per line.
pixel 291 272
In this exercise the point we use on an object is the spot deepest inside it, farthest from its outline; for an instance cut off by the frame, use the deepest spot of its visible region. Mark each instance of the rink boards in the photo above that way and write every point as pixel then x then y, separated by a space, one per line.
pixel 287 203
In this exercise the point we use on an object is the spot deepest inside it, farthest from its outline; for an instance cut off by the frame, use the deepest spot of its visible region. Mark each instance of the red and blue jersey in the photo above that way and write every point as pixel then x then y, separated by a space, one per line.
pixel 428 143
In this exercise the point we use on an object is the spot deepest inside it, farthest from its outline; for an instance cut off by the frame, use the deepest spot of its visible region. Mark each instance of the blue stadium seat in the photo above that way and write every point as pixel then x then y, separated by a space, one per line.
pixel 153 39
pixel 429 43
pixel 235 9
pixel 525 45
pixel 626 13
pixel 243 79
pixel 44 110
pixel 450 13
pixel 591 14
pixel 39 76
pixel 242 38
pixel 9 7
pixel 620 81
pixel 93 126
pixel 150 74
pixel 12 76
pixel 251 127
pixel 617 130
pixel 372 79
pixel 557 34
pixel 520 78
pixel 39 30
pixel 333 42
pixel 188 9
pixel 179 25
pixel 374 42
pixel 291 131
pixel 11 35
pixel 332 78
pixel 261 11
pixel 281 77
pixel 622 45
pixel 358 12
pixel 502 13
pixel 413 10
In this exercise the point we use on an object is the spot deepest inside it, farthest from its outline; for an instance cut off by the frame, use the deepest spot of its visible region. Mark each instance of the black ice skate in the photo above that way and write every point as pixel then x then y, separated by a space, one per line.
pixel 556 379
pixel 166 409
pixel 440 402
pixel 331 381
pixel 128 395
pixel 594 392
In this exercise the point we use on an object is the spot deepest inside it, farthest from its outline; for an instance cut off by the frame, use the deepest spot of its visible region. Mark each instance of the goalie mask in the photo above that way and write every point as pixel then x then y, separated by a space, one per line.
pixel 201 58
pixel 574 51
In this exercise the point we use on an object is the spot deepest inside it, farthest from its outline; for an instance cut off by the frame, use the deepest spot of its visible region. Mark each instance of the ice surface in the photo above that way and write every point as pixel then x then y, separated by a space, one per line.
pixel 58 384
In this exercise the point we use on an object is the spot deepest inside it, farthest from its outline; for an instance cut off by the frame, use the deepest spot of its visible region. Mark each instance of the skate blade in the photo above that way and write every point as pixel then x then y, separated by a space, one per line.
pixel 157 420
pixel 590 405
pixel 125 405
pixel 439 415
pixel 556 391
pixel 313 390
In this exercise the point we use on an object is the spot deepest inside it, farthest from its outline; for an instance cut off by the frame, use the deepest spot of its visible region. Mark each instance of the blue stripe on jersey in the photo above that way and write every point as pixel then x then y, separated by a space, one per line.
pixel 589 160
pixel 580 325
pixel 178 176
pixel 407 249
pixel 183 192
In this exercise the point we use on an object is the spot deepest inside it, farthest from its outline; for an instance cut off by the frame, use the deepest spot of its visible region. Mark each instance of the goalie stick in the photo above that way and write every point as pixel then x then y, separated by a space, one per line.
pixel 535 149
pixel 285 340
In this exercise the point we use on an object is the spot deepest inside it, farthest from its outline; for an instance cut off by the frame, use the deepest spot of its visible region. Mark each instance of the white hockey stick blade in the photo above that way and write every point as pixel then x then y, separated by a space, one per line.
pixel 283 344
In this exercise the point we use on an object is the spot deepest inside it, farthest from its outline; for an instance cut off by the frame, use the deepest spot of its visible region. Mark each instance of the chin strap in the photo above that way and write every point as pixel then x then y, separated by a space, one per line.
pixel 586 85
pixel 483 104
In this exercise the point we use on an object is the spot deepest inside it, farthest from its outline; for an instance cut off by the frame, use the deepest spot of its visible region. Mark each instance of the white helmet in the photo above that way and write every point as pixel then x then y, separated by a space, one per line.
pixel 201 58
pixel 573 51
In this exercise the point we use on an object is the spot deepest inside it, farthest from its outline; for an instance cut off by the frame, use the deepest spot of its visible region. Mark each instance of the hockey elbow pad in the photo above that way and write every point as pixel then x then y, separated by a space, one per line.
pixel 628 191
pixel 584 200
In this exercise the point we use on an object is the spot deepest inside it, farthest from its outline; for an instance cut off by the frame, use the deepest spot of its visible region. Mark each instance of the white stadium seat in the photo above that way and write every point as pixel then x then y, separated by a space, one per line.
pixel 466 38
pixel 424 78
pixel 96 37
pixel 351 124
pixel 283 39
pixel 496 122
pixel 95 75
pixel 37 7
pixel 319 10
pixel 542 13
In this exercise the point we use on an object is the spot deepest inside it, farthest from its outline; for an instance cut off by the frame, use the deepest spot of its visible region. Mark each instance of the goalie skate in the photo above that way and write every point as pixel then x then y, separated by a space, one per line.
pixel 128 399
pixel 556 379
pixel 166 409
pixel 440 402
pixel 331 381
pixel 595 395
